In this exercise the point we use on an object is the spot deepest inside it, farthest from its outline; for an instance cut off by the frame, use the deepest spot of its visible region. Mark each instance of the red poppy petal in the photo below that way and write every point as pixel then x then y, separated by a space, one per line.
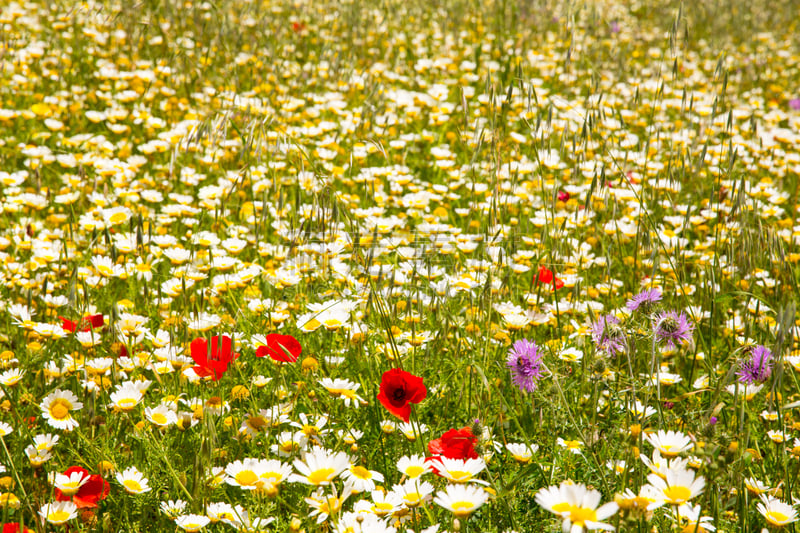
pixel 416 390
pixel 283 348
pixel 91 492
pixel 74 469
pixel 199 351
pixel 403 412
pixel 545 275
pixel 67 325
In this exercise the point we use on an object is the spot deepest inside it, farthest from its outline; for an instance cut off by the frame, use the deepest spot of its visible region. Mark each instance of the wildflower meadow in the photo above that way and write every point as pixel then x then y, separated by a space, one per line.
pixel 399 266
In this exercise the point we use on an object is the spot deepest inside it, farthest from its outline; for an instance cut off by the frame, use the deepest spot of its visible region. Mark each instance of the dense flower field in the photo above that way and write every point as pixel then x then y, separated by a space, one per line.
pixel 282 265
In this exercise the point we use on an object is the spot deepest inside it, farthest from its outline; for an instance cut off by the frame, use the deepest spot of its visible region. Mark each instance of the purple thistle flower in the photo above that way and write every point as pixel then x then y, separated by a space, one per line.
pixel 644 300
pixel 757 367
pixel 672 327
pixel 608 336
pixel 525 363
pixel 794 104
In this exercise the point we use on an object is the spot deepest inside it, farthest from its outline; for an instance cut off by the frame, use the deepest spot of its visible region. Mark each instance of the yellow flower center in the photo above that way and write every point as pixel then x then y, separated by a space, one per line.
pixel 288 446
pixel 58 517
pixel 159 418
pixel 246 477
pixel 256 422
pixel 312 324
pixel 117 218
pixel 579 515
pixel 693 528
pixel 330 506
pixel 412 499
pixel 272 477
pixel 132 485
pixel 215 402
pixel 361 472
pixel 333 323
pixel 639 503
pixel 666 449
pixel 462 509
pixel 348 394
pixel 126 404
pixel 70 488
pixel 382 508
pixel 459 476
pixel 677 494
pixel 60 409
pixel 562 507
pixel 322 475
pixel 776 518
pixel 414 471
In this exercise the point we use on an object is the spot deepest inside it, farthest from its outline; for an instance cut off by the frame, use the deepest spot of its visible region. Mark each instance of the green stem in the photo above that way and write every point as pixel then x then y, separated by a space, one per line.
pixel 16 477
pixel 172 472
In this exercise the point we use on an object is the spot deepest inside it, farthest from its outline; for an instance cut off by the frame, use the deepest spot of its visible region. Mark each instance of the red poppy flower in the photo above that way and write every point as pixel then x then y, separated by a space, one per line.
pixel 283 348
pixel 545 277
pixel 15 527
pixel 85 324
pixel 94 490
pixel 399 389
pixel 212 362
pixel 563 196
pixel 455 444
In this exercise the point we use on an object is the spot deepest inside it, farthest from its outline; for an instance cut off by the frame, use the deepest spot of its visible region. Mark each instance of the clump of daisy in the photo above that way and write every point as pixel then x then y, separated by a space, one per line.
pixel 133 481
pixel 578 506
pixel 461 500
pixel 57 407
pixel 58 513
pixel 757 367
pixel 525 362
pixel 776 512
pixel 644 301
pixel 173 509
pixel 192 522
pixel 608 336
pixel 671 327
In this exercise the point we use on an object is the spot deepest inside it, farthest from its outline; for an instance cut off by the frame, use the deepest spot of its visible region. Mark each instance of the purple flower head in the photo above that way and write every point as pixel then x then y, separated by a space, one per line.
pixel 525 363
pixel 712 421
pixel 608 336
pixel 794 104
pixel 615 27
pixel 757 367
pixel 644 300
pixel 671 327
